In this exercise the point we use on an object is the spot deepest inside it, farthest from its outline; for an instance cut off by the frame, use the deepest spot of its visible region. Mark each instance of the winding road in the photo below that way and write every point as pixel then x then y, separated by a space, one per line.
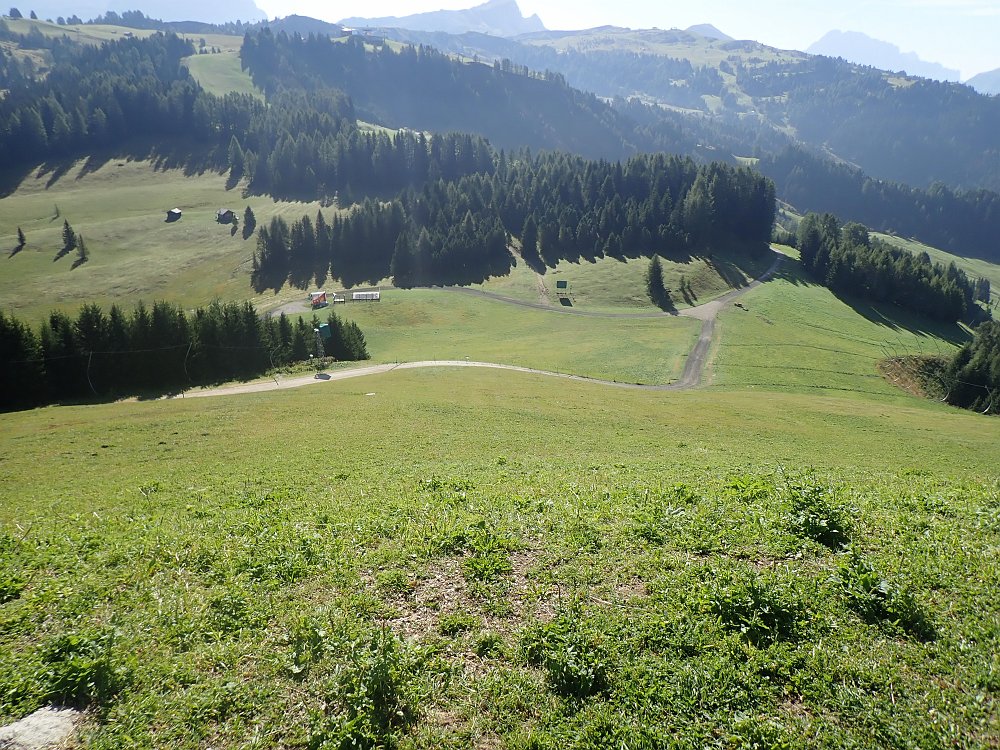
pixel 693 368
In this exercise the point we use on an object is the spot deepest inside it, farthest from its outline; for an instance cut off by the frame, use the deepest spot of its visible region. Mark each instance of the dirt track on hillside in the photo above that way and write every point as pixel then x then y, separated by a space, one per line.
pixel 694 367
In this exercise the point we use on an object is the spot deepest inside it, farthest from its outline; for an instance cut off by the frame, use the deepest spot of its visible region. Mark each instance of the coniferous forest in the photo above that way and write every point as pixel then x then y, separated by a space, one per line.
pixel 973 376
pixel 849 261
pixel 458 232
pixel 99 355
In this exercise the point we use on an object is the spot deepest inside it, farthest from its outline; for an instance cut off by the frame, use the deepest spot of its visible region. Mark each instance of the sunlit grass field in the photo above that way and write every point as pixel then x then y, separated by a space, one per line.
pixel 612 284
pixel 221 74
pixel 470 559
pixel 796 555
pixel 418 325
pixel 119 207
pixel 793 334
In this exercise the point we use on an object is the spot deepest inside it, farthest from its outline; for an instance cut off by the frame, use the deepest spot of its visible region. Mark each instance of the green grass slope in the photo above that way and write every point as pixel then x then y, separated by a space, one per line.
pixel 466 559
pixel 120 208
pixel 793 334
pixel 614 285
pixel 418 325
pixel 220 74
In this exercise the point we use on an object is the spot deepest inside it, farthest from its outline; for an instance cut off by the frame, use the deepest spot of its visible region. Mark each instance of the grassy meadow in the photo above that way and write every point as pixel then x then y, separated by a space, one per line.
pixel 119 207
pixel 617 285
pixel 792 334
pixel 418 325
pixel 221 74
pixel 797 556
pixel 480 559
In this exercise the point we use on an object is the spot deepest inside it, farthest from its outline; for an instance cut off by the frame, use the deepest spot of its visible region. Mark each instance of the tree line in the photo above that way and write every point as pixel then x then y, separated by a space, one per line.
pixel 849 261
pixel 113 354
pixel 298 145
pixel 963 222
pixel 560 207
pixel 426 90
pixel 973 375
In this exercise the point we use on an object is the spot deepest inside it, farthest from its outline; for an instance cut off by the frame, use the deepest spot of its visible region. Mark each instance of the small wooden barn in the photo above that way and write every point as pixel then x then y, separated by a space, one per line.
pixel 225 216
pixel 173 214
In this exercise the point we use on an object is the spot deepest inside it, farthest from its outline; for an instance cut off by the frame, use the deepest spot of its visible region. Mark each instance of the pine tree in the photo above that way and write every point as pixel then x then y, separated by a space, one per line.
pixel 81 250
pixel 68 236
pixel 21 241
pixel 529 238
pixel 654 284
pixel 249 222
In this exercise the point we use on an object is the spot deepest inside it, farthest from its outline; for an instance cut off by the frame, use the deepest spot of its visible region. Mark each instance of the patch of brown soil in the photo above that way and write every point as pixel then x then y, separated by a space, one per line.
pixel 915 375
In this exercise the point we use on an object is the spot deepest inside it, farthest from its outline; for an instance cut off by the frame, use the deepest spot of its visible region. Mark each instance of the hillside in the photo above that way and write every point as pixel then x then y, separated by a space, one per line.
pixel 549 514
pixel 424 90
pixel 904 129
pixel 465 528
pixel 185 10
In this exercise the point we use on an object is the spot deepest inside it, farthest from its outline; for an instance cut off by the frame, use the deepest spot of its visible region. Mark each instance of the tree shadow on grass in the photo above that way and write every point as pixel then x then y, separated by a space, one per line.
pixel 897 319
pixel 78 262
pixel 883 314
pixel 15 250
pixel 192 157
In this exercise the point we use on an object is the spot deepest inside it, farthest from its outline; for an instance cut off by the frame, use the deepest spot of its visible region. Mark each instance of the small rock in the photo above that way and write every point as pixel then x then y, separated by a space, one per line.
pixel 46 729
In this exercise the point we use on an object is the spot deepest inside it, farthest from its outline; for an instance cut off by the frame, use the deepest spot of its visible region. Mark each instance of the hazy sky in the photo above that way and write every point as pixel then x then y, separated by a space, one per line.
pixel 963 34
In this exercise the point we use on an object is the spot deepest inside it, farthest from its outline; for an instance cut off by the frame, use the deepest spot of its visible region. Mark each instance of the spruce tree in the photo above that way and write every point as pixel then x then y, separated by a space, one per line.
pixel 529 238
pixel 21 241
pixel 249 222
pixel 68 236
pixel 654 284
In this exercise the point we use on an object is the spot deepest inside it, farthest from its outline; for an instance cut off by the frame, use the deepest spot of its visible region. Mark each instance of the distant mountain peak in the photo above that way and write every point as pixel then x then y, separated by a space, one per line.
pixel 859 48
pixel 495 17
pixel 709 31
pixel 986 83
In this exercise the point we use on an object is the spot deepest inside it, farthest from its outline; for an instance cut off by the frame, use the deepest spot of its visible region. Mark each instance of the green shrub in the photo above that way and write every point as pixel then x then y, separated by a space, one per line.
pixel 372 699
pixel 762 610
pixel 77 669
pixel 489 645
pixel 11 586
pixel 574 659
pixel 814 516
pixel 457 623
pixel 879 601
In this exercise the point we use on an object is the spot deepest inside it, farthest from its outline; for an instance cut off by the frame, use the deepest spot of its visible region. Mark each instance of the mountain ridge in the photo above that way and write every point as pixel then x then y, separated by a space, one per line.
pixel 987 83
pixel 497 17
pixel 859 48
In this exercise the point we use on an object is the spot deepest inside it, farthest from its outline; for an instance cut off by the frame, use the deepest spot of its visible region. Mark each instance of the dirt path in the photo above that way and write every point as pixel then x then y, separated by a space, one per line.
pixel 694 367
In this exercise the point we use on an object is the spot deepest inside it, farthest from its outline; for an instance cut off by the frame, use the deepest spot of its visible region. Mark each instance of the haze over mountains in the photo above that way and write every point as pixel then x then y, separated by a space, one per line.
pixel 986 83
pixel 221 11
pixel 496 17
pixel 862 49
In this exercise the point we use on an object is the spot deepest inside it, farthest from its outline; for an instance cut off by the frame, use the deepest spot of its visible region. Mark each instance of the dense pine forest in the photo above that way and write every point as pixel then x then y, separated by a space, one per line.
pixel 99 355
pixel 963 222
pixel 849 261
pixel 561 207
pixel 973 376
